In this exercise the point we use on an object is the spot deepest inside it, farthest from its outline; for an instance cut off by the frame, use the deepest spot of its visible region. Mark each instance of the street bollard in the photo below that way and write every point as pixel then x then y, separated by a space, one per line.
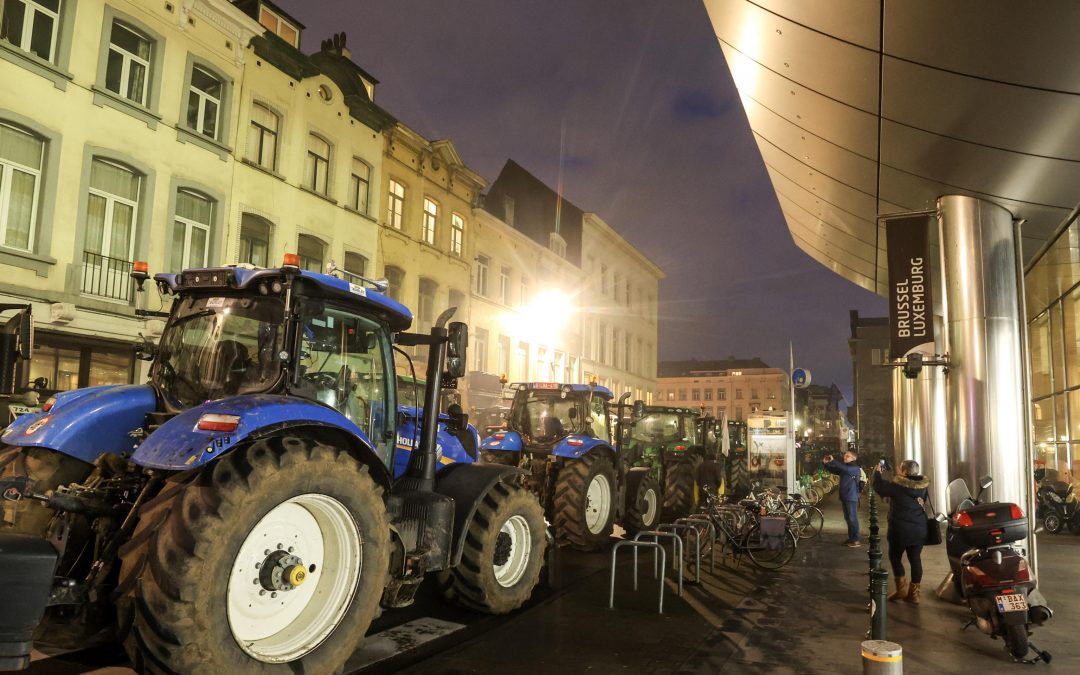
pixel 879 577
pixel 880 657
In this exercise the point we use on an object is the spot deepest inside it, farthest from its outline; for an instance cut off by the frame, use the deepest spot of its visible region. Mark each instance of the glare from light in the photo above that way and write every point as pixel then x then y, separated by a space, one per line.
pixel 543 320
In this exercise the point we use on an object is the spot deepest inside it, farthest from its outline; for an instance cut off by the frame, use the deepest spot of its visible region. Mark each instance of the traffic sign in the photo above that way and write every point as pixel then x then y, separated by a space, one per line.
pixel 800 377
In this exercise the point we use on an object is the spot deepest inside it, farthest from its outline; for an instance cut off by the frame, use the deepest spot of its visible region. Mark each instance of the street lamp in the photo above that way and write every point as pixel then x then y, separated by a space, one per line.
pixel 543 320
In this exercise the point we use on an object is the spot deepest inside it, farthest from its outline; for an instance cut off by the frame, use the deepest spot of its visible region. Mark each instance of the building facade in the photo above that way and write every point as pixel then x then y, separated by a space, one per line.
pixel 871 413
pixel 817 407
pixel 733 387
pixel 183 134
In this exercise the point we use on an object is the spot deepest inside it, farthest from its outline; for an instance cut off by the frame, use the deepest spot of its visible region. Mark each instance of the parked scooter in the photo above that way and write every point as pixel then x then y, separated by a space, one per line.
pixel 1057 507
pixel 991 572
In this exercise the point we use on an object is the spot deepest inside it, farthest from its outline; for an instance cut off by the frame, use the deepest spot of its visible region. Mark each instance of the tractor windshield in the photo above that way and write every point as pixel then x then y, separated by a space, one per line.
pixel 546 416
pixel 220 346
pixel 664 427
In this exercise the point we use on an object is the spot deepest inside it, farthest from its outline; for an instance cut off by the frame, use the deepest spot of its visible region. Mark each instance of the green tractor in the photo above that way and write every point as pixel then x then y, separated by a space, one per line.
pixel 738 469
pixel 668 442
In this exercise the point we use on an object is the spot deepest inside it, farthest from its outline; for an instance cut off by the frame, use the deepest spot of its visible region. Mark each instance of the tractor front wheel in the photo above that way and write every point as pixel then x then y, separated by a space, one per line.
pixel 503 555
pixel 271 560
pixel 643 507
pixel 680 481
pixel 585 503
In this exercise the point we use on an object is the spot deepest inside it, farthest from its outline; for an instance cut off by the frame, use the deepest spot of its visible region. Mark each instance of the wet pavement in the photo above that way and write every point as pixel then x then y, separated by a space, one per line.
pixel 809 617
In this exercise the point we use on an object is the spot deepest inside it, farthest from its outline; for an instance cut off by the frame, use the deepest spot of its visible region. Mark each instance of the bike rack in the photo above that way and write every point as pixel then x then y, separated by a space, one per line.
pixel 676 549
pixel 635 544
pixel 691 522
pixel 676 529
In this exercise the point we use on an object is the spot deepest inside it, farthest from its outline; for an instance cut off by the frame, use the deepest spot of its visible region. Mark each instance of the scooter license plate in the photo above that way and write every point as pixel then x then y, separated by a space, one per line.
pixel 1014 602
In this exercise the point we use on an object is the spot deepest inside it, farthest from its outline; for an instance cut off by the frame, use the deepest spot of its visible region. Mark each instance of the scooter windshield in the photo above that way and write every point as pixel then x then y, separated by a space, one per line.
pixel 956 493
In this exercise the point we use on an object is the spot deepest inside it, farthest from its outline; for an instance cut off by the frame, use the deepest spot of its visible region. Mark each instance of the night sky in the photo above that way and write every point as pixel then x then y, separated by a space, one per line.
pixel 654 140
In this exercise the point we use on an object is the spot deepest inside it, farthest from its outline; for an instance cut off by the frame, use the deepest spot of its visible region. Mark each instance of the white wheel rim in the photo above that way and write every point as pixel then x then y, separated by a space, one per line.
pixel 276 626
pixel 597 504
pixel 520 535
pixel 648 516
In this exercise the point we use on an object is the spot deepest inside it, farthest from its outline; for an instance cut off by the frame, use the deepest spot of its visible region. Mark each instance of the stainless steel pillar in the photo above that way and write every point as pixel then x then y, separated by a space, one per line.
pixel 985 389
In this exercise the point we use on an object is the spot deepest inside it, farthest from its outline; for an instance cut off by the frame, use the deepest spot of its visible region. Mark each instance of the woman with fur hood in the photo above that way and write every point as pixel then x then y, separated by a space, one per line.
pixel 907 525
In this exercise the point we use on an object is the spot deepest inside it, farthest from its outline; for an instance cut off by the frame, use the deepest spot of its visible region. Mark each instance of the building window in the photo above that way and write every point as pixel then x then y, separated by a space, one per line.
pixel 355 264
pixel 480 340
pixel 753 393
pixel 457 301
pixel 263 136
pixel 695 394
pixel 395 276
pixel 457 234
pixel 127 70
pixel 482 264
pixel 311 251
pixel 32 25
pixel 21 156
pixel 738 394
pixel 682 394
pixel 359 184
pixel 503 355
pixel 431 216
pixel 707 393
pixel 111 208
pixel 721 394
pixel 317 165
pixel 523 361
pixel 523 298
pixel 279 26
pixel 191 230
pixel 254 240
pixel 504 285
pixel 204 102
pixel 671 395
pixel 395 205
pixel 425 305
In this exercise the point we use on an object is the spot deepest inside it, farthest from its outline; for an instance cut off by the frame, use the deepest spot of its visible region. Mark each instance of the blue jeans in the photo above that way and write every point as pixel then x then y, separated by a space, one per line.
pixel 851 517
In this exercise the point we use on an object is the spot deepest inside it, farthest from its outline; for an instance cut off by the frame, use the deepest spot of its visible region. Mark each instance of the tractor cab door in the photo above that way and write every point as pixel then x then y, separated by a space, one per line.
pixel 346 363
pixel 599 420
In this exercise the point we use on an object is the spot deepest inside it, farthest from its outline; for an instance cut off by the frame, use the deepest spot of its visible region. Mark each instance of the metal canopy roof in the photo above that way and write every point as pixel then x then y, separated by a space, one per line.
pixel 868 107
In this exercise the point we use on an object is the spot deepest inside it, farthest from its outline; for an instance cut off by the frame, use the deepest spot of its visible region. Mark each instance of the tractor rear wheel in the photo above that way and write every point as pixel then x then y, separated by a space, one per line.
pixel 47 470
pixel 503 555
pixel 738 474
pixel 643 507
pixel 680 486
pixel 271 560
pixel 584 513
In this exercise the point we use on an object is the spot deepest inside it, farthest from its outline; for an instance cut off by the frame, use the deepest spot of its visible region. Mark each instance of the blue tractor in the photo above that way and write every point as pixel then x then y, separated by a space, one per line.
pixel 562 436
pixel 253 505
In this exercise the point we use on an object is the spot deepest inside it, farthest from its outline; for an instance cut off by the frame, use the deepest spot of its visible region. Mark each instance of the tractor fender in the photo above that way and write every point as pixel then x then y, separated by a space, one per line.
pixel 575 447
pixel 85 423
pixel 503 440
pixel 467 484
pixel 179 445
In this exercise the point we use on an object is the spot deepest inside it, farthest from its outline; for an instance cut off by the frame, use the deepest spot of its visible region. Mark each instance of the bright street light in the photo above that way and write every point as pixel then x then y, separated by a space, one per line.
pixel 542 320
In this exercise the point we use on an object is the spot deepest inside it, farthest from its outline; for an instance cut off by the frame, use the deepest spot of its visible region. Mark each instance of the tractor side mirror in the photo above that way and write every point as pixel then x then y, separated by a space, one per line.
pixel 456 349
pixel 145 351
pixel 572 413
pixel 16 344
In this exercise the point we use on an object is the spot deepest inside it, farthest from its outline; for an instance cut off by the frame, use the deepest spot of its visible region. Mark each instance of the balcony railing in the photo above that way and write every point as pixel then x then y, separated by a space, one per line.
pixel 106 277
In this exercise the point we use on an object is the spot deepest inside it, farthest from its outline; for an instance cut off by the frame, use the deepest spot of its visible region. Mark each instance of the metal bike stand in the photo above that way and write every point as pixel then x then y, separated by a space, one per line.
pixel 704 520
pixel 677 529
pixel 635 544
pixel 676 549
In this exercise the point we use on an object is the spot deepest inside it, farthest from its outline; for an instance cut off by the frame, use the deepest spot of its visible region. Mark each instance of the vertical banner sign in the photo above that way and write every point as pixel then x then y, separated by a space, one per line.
pixel 911 303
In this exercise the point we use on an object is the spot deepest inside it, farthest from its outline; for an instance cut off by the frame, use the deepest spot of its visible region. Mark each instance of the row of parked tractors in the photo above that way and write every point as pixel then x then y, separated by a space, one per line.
pixel 269 490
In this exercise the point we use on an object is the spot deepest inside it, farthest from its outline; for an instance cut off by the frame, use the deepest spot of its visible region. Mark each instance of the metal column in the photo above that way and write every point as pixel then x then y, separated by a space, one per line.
pixel 985 391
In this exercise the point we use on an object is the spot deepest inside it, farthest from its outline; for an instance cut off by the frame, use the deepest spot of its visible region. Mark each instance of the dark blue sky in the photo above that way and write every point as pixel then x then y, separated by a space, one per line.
pixel 656 142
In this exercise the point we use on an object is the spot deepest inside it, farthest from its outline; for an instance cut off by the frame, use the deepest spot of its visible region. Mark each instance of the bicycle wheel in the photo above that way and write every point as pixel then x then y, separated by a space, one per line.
pixel 769 558
pixel 810 519
pixel 793 524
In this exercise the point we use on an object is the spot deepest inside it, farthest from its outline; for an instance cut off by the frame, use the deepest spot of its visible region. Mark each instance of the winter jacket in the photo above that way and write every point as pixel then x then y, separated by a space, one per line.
pixel 849 478
pixel 907 519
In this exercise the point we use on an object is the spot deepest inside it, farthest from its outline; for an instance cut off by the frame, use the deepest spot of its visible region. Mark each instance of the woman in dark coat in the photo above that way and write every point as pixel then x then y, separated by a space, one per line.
pixel 907 525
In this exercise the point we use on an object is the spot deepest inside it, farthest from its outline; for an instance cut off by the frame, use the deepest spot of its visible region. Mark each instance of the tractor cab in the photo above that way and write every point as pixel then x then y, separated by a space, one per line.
pixel 547 413
pixel 661 430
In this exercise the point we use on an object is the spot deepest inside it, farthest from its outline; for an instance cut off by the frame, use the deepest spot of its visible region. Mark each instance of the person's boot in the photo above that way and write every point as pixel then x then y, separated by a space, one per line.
pixel 914 593
pixel 901 589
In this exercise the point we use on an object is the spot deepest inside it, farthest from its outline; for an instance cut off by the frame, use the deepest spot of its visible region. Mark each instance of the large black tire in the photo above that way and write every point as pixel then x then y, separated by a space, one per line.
pixel 47 470
pixel 497 574
pixel 573 510
pixel 1016 640
pixel 738 474
pixel 643 507
pixel 175 571
pixel 680 481
pixel 1053 522
pixel 503 457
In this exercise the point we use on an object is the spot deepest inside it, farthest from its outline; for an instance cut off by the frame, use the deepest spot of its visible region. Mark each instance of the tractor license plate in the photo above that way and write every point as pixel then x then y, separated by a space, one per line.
pixel 1014 602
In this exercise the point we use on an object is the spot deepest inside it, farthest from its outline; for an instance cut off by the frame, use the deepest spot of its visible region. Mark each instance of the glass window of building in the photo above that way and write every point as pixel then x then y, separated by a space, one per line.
pixel 395 276
pixel 355 263
pixel 431 216
pixel 425 305
pixel 204 102
pixel 480 344
pixel 504 355
pixel 359 185
pixel 482 264
pixel 279 25
pixel 254 240
pixel 504 285
pixel 457 234
pixel 127 69
pixel 695 394
pixel 317 164
pixel 395 205
pixel 263 136
pixel 738 393
pixel 21 156
pixel 721 394
pixel 523 295
pixel 707 394
pixel 312 251
pixel 191 230
pixel 457 300
pixel 32 26
pixel 111 208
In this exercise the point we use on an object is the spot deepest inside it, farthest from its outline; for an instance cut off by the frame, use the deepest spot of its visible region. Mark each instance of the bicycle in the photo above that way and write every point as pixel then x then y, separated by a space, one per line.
pixel 742 529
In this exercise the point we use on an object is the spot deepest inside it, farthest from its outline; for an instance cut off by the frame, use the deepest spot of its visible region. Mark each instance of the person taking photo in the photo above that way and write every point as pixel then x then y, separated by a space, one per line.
pixel 849 473
pixel 907 491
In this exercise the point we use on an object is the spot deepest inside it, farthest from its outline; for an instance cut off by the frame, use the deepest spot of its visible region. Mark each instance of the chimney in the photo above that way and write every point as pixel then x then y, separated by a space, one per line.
pixel 336 43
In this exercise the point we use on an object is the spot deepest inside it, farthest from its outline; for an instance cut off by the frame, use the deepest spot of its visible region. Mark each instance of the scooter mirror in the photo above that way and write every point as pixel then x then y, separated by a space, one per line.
pixel 985 482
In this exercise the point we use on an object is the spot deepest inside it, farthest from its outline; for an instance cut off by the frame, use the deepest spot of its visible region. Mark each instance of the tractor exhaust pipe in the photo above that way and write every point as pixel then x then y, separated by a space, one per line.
pixel 421 470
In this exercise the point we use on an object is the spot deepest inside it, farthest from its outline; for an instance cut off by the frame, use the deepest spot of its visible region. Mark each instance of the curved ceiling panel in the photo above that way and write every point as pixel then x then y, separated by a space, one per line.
pixel 977 98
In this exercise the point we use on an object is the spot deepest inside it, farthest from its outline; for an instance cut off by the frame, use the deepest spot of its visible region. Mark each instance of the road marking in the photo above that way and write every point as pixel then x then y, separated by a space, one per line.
pixel 400 639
